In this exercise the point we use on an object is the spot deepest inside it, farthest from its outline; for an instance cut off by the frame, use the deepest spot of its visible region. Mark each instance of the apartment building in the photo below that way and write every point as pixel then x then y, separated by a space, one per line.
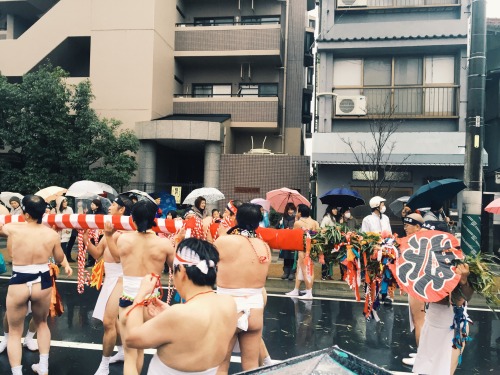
pixel 401 62
pixel 217 91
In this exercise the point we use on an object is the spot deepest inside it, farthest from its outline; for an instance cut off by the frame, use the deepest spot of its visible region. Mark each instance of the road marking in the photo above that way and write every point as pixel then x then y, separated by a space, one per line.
pixel 315 298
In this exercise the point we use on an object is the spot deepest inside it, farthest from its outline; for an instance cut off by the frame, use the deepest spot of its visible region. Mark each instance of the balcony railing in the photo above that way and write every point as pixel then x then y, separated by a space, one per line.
pixel 228 23
pixel 394 3
pixel 408 101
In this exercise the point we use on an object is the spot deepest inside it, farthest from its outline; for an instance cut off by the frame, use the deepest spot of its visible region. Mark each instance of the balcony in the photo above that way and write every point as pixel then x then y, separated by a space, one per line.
pixel 246 112
pixel 406 102
pixel 263 40
pixel 357 5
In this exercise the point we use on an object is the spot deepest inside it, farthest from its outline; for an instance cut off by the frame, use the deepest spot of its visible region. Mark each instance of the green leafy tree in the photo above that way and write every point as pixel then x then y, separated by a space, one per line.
pixel 54 137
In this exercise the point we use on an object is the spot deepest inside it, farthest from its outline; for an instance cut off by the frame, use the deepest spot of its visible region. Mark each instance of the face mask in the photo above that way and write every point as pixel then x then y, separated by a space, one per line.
pixel 382 210
pixel 347 215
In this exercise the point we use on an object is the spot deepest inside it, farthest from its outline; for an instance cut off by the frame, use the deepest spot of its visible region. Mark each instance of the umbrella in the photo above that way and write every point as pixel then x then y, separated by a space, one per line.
pixel 50 193
pixel 141 195
pixel 342 197
pixel 280 197
pixel 211 195
pixel 494 207
pixel 435 191
pixel 266 205
pixel 6 195
pixel 83 188
pixel 111 193
pixel 397 206
pixel 88 198
pixel 425 268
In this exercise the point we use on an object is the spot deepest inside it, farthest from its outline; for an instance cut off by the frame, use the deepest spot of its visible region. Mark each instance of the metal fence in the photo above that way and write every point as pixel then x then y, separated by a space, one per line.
pixel 400 3
pixel 149 187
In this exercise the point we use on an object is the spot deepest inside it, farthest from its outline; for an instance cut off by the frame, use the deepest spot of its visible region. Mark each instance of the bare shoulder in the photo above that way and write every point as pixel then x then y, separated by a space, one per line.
pixel 225 240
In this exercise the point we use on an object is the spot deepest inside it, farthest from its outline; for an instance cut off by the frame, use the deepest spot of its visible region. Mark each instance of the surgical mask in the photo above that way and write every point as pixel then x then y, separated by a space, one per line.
pixel 382 210
pixel 347 215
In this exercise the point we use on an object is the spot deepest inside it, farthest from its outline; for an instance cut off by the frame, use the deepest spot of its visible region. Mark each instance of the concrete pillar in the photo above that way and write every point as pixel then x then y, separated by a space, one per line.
pixel 212 164
pixel 147 162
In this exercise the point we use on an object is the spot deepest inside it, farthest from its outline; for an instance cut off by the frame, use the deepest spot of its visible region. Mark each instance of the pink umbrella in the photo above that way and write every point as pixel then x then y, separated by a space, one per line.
pixel 494 207
pixel 280 197
pixel 266 205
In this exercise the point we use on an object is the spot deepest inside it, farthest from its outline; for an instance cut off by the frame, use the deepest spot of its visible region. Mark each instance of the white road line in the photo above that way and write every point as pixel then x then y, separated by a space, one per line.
pixel 315 298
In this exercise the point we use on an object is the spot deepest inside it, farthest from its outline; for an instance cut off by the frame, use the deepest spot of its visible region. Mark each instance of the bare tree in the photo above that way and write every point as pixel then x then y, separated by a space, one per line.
pixel 374 156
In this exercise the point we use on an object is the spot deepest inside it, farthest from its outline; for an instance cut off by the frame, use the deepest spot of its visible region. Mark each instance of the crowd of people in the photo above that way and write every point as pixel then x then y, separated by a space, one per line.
pixel 231 256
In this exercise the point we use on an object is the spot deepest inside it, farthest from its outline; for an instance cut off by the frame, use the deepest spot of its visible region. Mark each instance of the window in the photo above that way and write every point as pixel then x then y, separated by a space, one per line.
pixel 260 20
pixel 310 76
pixel 260 90
pixel 214 21
pixel 401 85
pixel 364 175
pixel 211 90
pixel 312 24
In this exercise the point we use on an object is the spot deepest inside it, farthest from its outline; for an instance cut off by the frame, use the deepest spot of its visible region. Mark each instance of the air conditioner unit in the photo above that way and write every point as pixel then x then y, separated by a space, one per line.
pixel 351 3
pixel 350 106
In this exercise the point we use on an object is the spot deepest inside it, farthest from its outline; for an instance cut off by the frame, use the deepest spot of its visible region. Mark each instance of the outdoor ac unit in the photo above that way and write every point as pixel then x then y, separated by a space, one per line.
pixel 351 3
pixel 350 106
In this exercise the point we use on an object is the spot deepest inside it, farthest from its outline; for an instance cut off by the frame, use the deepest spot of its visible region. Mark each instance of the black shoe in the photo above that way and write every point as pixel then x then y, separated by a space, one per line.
pixel 88 264
pixel 291 277
pixel 71 260
pixel 284 276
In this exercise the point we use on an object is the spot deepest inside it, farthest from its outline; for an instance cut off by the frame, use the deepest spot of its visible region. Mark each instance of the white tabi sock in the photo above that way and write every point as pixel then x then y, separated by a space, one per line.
pixel 267 361
pixel 29 335
pixel 44 363
pixel 18 370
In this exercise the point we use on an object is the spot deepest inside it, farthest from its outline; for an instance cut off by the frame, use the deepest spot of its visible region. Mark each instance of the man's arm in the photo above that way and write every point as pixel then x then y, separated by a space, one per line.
pixel 111 240
pixel 95 251
pixel 59 256
pixel 4 230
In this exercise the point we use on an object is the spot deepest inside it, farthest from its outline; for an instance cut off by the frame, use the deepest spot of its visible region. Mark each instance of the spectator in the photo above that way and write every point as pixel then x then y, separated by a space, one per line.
pixel 288 256
pixel 15 203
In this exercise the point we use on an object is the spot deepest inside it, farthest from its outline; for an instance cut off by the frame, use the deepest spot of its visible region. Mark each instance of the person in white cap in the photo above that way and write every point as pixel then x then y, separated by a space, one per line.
pixel 377 222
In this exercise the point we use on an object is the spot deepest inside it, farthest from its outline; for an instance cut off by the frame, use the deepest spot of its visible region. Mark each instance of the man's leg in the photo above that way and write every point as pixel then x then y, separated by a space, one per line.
pixel 251 339
pixel 40 303
pixel 110 333
pixel 417 312
pixel 29 341
pixel 130 362
pixel 300 263
pixel 17 306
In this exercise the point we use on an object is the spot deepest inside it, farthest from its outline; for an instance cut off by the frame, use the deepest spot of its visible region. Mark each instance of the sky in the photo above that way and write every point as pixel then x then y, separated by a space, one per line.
pixel 493 9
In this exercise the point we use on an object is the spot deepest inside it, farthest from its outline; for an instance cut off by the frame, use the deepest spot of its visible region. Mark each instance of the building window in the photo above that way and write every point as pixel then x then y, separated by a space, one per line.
pixel 312 24
pixel 214 21
pixel 211 90
pixel 310 76
pixel 364 175
pixel 260 20
pixel 259 90
pixel 401 85
pixel 398 176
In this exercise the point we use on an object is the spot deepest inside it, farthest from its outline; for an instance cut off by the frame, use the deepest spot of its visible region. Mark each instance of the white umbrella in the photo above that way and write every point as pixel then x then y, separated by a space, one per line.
pixel 140 195
pixel 50 193
pixel 84 187
pixel 108 189
pixel 398 204
pixel 211 195
pixel 6 195
pixel 265 204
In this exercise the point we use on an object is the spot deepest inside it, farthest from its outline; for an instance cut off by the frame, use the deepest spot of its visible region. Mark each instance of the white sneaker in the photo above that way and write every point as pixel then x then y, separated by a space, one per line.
pixel 3 345
pixel 306 296
pixel 293 293
pixel 409 361
pixel 30 344
pixel 102 370
pixel 412 355
pixel 36 368
pixel 118 357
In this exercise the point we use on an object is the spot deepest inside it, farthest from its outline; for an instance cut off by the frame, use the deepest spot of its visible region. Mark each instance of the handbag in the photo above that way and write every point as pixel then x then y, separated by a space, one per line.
pixel 3 267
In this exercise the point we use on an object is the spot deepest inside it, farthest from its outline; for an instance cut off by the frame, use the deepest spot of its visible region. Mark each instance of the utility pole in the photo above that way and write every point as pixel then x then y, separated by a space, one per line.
pixel 473 173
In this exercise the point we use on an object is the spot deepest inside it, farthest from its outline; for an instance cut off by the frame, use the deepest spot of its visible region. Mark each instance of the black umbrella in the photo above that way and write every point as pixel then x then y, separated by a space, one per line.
pixel 342 197
pixel 435 191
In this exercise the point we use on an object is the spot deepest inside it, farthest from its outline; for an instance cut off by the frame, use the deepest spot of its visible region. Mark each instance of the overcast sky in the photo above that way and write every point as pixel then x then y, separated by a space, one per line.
pixel 493 8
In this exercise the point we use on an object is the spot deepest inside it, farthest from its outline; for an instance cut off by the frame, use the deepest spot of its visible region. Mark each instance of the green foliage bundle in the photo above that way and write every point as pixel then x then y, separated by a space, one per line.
pixel 53 136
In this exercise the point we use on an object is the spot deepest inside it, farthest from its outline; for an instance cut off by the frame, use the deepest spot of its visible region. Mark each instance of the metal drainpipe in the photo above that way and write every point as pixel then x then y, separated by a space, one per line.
pixel 285 78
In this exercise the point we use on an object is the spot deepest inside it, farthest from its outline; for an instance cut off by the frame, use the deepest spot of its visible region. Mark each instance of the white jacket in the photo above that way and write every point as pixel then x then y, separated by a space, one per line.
pixel 373 223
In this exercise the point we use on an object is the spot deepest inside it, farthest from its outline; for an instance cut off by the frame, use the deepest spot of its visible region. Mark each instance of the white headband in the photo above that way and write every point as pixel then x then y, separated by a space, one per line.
pixel 189 257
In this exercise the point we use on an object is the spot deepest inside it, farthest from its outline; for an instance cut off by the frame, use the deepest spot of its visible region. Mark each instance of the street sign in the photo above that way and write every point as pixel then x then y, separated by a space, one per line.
pixel 176 192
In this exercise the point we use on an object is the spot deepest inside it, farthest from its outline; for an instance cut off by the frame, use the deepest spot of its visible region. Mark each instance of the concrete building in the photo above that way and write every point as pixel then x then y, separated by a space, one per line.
pixel 196 80
pixel 401 62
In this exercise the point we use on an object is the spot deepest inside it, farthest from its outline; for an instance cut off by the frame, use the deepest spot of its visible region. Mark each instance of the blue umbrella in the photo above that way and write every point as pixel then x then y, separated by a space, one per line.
pixel 435 191
pixel 342 197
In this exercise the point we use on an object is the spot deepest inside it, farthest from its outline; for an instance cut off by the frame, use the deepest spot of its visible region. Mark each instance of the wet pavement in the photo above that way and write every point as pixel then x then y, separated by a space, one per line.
pixel 292 327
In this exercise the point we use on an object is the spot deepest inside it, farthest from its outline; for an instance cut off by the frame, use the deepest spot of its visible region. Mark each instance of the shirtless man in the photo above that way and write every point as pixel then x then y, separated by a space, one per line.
pixel 305 222
pixel 30 245
pixel 242 271
pixel 106 308
pixel 186 340
pixel 141 253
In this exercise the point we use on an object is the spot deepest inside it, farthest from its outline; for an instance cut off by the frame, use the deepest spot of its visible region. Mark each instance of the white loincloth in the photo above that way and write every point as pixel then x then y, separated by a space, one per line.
pixel 246 299
pixel 157 367
pixel 434 350
pixel 112 273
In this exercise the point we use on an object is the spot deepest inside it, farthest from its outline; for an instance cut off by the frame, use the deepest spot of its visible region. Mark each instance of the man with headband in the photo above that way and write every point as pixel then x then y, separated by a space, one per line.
pixel 244 263
pixel 106 308
pixel 193 337
pixel 140 253
pixel 229 218
pixel 30 245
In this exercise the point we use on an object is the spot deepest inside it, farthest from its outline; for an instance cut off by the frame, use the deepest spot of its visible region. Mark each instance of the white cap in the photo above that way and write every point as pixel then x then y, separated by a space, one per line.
pixel 375 201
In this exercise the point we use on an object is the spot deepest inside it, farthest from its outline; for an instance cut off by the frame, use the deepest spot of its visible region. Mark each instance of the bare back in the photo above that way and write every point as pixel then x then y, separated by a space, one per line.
pixel 31 243
pixel 239 265
pixel 306 223
pixel 144 253
pixel 198 341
